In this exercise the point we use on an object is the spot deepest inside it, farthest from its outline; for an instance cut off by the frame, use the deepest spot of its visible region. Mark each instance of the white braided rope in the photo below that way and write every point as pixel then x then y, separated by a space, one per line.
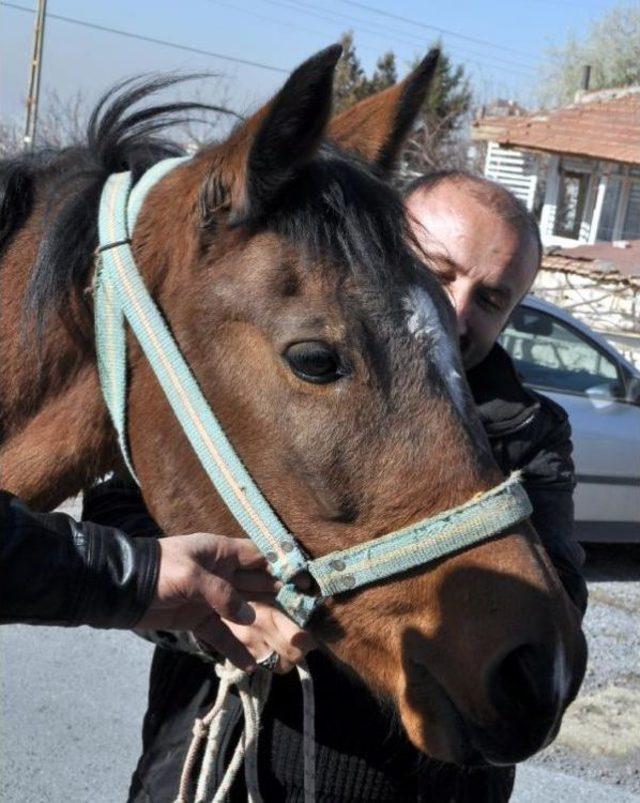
pixel 253 690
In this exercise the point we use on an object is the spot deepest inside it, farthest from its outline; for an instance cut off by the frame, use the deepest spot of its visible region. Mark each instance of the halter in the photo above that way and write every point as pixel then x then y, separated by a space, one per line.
pixel 120 295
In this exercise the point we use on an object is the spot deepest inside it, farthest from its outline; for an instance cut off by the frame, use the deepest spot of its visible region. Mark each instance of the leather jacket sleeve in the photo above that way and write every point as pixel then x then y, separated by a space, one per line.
pixel 57 571
pixel 530 432
pixel 549 477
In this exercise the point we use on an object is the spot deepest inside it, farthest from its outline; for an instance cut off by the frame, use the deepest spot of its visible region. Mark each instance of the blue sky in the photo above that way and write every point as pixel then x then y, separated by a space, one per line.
pixel 509 37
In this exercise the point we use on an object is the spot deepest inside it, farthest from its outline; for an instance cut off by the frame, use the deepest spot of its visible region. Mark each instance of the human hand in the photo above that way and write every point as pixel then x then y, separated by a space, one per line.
pixel 201 580
pixel 272 631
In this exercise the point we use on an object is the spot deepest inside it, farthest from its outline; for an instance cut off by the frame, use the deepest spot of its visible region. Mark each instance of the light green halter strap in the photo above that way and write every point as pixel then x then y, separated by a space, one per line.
pixel 120 294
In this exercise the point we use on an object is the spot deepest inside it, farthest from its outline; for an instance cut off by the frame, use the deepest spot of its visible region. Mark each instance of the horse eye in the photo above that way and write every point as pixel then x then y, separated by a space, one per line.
pixel 314 362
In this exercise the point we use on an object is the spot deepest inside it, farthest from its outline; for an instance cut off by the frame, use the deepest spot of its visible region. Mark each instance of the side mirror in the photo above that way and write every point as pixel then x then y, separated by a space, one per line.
pixel 633 391
pixel 531 322
pixel 606 392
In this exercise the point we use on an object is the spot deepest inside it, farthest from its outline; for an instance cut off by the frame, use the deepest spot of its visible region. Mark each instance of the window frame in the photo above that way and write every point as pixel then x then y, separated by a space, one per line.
pixel 627 174
pixel 630 180
pixel 584 179
pixel 621 374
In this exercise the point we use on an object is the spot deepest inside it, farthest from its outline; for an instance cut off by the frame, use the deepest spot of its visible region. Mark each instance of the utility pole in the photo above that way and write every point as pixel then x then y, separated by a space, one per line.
pixel 34 77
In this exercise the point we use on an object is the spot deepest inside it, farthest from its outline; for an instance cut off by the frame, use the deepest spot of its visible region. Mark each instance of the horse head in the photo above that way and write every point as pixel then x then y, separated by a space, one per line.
pixel 283 263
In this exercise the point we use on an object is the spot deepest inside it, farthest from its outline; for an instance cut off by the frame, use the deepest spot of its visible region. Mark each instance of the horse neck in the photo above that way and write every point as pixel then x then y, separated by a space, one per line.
pixel 55 436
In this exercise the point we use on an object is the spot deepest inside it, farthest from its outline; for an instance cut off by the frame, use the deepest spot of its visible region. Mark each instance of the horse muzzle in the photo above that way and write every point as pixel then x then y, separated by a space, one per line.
pixel 523 699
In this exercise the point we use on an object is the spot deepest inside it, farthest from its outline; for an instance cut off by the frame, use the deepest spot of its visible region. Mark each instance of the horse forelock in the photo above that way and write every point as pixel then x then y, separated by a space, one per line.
pixel 337 210
pixel 341 216
pixel 64 185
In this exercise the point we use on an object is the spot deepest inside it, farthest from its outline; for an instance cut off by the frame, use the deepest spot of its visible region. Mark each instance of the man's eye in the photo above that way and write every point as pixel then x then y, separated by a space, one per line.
pixel 490 302
pixel 443 276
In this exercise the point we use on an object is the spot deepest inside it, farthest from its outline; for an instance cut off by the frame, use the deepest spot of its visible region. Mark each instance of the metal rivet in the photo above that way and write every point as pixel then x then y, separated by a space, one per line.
pixel 337 565
pixel 287 546
pixel 271 557
pixel 348 581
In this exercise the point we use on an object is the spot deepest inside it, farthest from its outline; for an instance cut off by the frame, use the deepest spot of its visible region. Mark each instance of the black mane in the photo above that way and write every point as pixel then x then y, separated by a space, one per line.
pixel 339 207
pixel 69 181
pixel 335 206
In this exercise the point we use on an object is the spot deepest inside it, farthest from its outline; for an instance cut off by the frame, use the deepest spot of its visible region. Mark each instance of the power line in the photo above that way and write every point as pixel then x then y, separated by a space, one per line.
pixel 286 24
pixel 566 3
pixel 298 5
pixel 189 49
pixel 420 24
pixel 150 39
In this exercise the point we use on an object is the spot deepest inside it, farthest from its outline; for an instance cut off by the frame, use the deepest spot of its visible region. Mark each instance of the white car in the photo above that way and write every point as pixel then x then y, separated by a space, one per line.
pixel 600 390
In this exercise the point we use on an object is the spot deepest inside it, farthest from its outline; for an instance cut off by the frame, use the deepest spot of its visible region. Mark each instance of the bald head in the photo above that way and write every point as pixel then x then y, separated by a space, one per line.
pixel 485 247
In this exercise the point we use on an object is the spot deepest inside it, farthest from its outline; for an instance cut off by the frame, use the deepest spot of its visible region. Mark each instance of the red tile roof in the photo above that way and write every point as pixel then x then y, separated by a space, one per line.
pixel 601 125
pixel 624 257
pixel 602 261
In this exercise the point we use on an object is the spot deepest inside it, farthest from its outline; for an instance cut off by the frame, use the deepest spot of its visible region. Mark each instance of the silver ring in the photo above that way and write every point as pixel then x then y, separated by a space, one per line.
pixel 269 662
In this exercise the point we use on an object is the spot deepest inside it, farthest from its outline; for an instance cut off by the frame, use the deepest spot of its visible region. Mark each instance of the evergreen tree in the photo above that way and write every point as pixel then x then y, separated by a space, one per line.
pixel 351 84
pixel 349 76
pixel 384 75
pixel 437 141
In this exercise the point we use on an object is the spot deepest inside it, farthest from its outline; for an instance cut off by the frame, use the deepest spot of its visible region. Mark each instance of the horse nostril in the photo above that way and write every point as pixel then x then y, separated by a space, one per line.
pixel 523 683
pixel 527 690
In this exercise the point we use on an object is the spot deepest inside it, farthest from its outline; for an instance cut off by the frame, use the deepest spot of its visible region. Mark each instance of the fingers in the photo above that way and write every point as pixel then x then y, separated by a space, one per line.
pixel 224 555
pixel 255 582
pixel 244 553
pixel 257 596
pixel 287 639
pixel 217 635
pixel 272 631
pixel 224 599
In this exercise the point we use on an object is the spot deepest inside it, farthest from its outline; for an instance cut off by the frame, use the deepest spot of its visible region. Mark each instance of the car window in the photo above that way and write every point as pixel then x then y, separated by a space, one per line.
pixel 549 354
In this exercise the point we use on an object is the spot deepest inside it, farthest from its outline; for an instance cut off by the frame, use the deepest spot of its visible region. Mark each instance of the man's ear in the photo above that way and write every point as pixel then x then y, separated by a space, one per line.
pixel 263 154
pixel 377 127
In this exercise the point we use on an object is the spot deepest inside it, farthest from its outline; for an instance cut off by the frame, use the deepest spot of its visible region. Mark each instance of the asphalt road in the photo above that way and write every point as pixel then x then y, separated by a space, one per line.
pixel 71 708
pixel 72 704
pixel 72 701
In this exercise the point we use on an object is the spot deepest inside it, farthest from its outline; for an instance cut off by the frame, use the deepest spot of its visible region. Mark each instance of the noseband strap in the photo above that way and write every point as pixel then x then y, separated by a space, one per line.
pixel 120 295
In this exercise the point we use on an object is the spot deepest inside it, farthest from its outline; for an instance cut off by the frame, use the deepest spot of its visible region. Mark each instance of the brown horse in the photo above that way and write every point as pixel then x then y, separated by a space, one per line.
pixel 283 264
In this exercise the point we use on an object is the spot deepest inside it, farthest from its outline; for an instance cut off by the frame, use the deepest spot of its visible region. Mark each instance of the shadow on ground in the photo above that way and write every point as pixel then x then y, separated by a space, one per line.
pixel 612 562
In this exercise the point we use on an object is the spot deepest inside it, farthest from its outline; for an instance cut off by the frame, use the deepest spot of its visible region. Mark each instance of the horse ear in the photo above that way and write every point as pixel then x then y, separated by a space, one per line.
pixel 377 127
pixel 264 153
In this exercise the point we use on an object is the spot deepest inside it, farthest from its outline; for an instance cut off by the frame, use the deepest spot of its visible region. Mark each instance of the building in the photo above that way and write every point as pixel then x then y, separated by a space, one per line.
pixel 579 165
pixel 578 168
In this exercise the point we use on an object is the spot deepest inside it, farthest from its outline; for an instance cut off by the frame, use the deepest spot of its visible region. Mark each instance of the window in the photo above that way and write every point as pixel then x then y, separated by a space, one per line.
pixel 572 193
pixel 631 225
pixel 550 354
pixel 620 214
pixel 609 209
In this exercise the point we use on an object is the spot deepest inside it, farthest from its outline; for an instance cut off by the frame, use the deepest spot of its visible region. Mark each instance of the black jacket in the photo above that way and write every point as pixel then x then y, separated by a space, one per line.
pixel 56 571
pixel 528 431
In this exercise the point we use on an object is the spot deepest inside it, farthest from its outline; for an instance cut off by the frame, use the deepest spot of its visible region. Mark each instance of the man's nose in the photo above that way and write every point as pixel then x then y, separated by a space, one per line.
pixel 463 324
pixel 462 307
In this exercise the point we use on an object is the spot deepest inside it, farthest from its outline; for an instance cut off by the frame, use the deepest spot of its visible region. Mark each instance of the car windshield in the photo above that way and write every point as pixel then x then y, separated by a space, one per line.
pixel 549 354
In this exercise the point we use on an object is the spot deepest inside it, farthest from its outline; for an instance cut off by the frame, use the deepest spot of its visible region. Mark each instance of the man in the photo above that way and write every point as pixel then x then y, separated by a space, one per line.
pixel 486 248
pixel 57 571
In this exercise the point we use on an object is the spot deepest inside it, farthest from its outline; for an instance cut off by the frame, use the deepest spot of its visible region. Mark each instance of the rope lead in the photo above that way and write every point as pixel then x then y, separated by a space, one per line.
pixel 253 690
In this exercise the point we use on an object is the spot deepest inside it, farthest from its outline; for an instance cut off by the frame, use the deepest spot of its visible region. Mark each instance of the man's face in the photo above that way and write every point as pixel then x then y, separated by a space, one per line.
pixel 484 263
